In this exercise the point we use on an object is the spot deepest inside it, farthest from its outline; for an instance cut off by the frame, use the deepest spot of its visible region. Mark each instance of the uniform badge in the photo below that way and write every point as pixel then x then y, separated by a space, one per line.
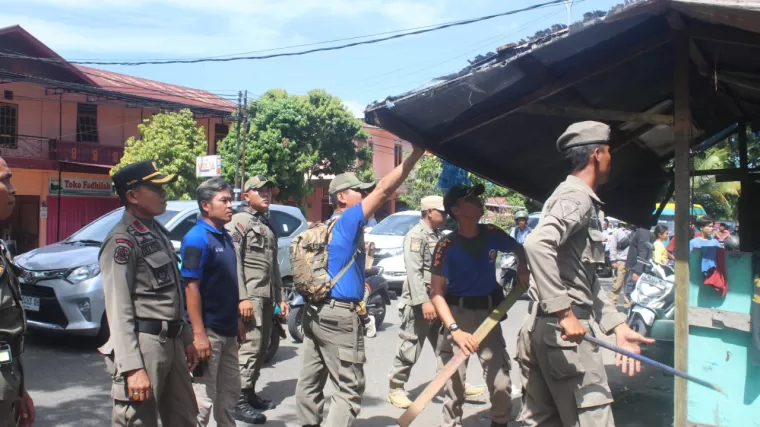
pixel 237 237
pixel 261 229
pixel 139 226
pixel 121 254
pixel 240 227
pixel 124 242
pixel 568 207
pixel 492 255
pixel 416 245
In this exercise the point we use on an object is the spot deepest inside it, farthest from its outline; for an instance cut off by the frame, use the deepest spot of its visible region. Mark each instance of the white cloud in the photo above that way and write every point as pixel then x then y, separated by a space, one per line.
pixel 356 108
pixel 202 27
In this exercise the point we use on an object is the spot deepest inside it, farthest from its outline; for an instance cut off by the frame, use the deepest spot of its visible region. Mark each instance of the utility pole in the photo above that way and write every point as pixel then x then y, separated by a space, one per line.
pixel 569 6
pixel 245 136
pixel 236 189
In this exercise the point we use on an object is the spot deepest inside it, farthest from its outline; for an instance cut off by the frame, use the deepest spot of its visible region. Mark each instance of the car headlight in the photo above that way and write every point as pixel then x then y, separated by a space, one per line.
pixel 83 273
pixel 389 252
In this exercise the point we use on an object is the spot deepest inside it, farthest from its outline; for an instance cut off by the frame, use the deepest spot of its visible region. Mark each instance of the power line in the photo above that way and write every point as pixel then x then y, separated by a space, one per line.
pixel 305 52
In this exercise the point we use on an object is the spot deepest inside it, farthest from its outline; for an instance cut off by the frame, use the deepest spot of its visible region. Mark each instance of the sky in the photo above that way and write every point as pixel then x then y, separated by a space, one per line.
pixel 180 29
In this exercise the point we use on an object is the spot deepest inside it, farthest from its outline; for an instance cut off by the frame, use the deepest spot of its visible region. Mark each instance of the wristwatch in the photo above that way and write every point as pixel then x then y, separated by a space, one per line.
pixel 453 327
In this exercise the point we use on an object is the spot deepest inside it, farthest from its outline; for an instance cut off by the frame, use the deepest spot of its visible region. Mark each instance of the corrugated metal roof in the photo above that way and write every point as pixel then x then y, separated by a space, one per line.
pixel 130 85
pixel 623 62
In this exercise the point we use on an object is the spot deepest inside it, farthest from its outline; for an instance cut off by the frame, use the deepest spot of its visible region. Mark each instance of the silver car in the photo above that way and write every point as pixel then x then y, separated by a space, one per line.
pixel 61 288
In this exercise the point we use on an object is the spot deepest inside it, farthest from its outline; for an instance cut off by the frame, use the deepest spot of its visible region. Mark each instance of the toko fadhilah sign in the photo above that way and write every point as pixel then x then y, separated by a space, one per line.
pixel 81 187
pixel 208 166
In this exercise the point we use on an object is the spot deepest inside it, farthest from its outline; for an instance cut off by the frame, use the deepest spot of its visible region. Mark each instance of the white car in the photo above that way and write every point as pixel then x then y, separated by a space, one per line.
pixel 388 236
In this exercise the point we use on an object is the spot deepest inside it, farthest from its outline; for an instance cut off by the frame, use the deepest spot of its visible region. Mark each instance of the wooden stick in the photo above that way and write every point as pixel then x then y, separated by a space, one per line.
pixel 444 374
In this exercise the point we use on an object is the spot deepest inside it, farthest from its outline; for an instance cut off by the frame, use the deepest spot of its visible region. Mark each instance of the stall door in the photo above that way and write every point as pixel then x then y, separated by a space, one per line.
pixel 76 212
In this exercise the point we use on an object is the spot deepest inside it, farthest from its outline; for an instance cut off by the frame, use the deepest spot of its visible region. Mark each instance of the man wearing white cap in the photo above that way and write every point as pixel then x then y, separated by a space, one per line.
pixel 419 321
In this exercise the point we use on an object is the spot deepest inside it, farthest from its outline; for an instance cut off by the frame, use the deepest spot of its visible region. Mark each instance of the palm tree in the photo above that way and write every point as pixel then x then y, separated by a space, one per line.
pixel 720 196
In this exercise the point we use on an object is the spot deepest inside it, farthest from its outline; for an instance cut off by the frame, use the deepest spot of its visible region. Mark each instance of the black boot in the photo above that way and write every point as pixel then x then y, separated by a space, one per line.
pixel 495 424
pixel 257 402
pixel 245 413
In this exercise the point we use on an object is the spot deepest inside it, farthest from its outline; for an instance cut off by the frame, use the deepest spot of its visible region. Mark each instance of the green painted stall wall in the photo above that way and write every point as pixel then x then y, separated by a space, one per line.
pixel 722 356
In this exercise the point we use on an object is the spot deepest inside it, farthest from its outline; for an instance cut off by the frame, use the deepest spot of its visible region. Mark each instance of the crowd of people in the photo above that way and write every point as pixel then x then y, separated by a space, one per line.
pixel 187 341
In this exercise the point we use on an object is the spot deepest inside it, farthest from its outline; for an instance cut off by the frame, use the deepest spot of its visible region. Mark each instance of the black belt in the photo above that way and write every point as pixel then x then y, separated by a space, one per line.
pixel 481 302
pixel 154 327
pixel 580 312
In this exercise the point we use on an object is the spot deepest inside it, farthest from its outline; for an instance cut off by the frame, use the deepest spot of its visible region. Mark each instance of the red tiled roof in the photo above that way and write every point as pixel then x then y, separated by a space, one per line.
pixel 130 85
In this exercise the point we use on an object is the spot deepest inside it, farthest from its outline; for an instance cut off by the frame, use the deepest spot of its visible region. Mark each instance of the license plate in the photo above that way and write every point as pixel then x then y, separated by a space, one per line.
pixel 30 303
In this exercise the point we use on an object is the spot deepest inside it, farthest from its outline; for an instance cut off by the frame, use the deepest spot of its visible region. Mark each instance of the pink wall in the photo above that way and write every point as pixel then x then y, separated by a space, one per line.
pixel 39 117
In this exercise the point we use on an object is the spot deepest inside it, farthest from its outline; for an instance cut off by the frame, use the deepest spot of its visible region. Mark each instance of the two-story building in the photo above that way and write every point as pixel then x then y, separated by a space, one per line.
pixel 62 128
pixel 388 151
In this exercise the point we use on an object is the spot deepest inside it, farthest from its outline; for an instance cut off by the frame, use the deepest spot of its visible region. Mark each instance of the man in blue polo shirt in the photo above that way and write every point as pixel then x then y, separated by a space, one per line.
pixel 209 267
pixel 333 334
pixel 466 259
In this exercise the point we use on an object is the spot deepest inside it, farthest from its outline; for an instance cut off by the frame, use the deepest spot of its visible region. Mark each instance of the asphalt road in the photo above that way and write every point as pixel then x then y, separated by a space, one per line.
pixel 70 387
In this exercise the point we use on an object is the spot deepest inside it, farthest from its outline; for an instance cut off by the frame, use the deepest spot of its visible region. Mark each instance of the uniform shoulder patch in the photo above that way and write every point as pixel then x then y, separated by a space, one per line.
pixel 124 242
pixel 568 207
pixel 237 237
pixel 416 245
pixel 121 254
pixel 240 228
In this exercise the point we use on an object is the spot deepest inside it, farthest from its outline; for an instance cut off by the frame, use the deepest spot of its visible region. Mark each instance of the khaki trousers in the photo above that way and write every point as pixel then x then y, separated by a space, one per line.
pixel 217 390
pixel 494 359
pixel 564 384
pixel 618 284
pixel 414 331
pixel 333 347
pixel 253 351
pixel 172 396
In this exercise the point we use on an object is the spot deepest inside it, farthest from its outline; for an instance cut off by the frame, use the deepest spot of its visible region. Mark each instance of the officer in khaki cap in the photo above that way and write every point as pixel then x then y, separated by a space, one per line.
pixel 260 287
pixel 150 352
pixel 563 377
pixel 419 321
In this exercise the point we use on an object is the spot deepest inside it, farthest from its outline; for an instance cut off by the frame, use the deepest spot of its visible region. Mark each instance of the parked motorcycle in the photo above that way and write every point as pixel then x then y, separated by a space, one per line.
pixel 376 305
pixel 508 271
pixel 653 302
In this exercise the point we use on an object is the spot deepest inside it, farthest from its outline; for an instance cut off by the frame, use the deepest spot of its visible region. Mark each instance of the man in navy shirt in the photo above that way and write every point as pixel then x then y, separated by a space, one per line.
pixel 209 267
pixel 333 334
pixel 466 259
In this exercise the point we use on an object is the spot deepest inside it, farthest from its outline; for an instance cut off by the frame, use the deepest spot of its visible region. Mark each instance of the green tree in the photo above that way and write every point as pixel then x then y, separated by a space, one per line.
pixel 292 138
pixel 364 170
pixel 422 181
pixel 173 141
pixel 720 199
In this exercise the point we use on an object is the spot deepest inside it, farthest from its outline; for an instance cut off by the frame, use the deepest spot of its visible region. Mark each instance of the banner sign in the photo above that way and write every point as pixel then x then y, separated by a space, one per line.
pixel 208 166
pixel 81 187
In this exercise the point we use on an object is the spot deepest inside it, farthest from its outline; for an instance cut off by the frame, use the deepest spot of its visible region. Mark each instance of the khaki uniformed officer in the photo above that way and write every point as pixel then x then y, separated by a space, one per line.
pixel 150 351
pixel 16 406
pixel 419 321
pixel 260 286
pixel 564 381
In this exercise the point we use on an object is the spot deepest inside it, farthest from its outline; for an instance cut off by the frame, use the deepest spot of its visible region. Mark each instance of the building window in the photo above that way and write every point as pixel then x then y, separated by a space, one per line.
pixel 87 123
pixel 398 155
pixel 8 125
pixel 220 132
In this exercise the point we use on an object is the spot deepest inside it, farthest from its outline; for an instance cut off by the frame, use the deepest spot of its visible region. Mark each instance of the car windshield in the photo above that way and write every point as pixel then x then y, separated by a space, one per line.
pixel 395 225
pixel 96 231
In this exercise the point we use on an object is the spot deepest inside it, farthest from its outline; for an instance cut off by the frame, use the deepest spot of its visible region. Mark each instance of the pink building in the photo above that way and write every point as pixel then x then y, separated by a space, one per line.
pixel 388 151
pixel 63 126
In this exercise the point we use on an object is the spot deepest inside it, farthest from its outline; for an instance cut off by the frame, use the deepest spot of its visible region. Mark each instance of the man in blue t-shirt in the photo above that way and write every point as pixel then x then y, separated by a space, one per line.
pixel 466 260
pixel 333 334
pixel 209 267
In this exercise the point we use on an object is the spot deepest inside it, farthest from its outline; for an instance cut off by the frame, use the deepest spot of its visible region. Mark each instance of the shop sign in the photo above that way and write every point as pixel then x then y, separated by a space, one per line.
pixel 82 187
pixel 208 166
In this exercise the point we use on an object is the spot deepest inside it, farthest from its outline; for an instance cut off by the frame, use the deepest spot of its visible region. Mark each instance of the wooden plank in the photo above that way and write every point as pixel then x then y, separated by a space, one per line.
pixel 595 114
pixel 718 319
pixel 554 87
pixel 682 129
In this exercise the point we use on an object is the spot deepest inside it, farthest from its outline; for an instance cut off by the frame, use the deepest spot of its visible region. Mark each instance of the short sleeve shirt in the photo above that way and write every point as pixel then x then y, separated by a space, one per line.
pixel 709 248
pixel 347 237
pixel 469 263
pixel 208 254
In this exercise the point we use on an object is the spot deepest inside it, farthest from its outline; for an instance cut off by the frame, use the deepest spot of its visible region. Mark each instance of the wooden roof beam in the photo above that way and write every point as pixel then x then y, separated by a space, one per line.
pixel 596 114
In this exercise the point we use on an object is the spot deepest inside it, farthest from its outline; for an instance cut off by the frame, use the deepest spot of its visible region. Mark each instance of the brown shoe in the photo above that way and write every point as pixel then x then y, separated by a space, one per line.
pixel 398 398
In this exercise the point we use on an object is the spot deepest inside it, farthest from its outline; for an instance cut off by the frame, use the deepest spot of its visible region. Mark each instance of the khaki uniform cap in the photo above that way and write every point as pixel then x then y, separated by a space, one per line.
pixel 257 182
pixel 584 133
pixel 348 181
pixel 432 202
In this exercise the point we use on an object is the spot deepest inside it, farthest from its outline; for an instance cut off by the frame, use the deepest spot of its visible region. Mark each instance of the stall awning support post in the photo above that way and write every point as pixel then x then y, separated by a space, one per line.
pixel 682 146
